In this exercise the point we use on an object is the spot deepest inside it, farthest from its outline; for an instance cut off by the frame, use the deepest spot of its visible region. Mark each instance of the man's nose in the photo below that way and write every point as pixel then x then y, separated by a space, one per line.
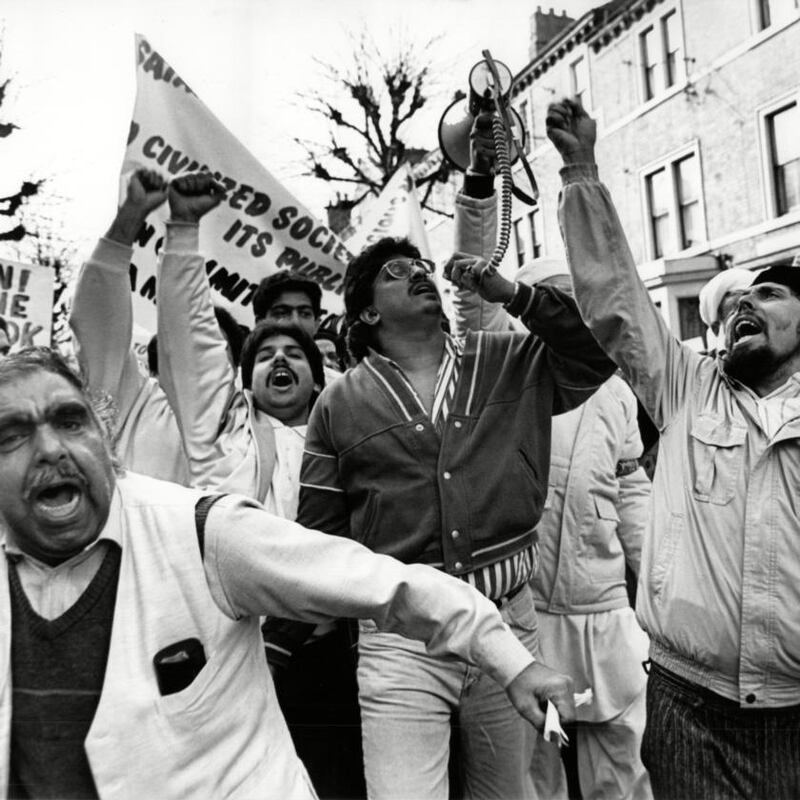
pixel 418 272
pixel 745 301
pixel 49 445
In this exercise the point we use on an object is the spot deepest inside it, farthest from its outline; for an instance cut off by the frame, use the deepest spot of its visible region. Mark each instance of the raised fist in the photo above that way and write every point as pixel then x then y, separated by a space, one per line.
pixel 572 131
pixel 147 190
pixel 194 195
pixel 472 273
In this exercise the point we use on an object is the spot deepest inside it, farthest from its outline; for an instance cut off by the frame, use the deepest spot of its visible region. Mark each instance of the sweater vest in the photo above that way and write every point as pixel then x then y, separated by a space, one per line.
pixel 223 735
pixel 57 669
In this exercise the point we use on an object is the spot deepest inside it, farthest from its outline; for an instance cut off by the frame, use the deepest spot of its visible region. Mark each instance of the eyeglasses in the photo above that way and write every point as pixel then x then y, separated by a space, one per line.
pixel 400 268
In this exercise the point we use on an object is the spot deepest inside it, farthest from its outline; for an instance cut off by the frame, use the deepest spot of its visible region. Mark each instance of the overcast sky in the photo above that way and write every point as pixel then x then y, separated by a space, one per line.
pixel 73 79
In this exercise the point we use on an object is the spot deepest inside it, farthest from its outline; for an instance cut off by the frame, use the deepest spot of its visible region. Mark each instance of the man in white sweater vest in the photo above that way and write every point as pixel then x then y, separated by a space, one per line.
pixel 131 662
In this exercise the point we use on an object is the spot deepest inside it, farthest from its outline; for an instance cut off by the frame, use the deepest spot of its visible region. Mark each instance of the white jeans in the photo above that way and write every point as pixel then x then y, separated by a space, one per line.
pixel 407 699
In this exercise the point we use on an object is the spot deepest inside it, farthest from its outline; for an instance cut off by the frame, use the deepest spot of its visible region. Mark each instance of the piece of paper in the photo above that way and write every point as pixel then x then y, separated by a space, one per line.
pixel 553 732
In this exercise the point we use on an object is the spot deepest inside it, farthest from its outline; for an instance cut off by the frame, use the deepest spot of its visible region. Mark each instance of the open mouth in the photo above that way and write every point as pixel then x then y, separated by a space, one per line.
pixel 58 500
pixel 744 328
pixel 281 378
pixel 423 288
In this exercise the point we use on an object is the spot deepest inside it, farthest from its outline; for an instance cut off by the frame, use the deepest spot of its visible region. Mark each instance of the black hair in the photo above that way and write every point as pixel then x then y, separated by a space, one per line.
pixel 274 285
pixel 782 274
pixel 266 330
pixel 232 332
pixel 358 288
pixel 338 343
pixel 152 355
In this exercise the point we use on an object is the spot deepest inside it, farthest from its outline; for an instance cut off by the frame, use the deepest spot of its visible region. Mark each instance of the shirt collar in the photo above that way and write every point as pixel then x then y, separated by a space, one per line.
pixel 791 388
pixel 452 347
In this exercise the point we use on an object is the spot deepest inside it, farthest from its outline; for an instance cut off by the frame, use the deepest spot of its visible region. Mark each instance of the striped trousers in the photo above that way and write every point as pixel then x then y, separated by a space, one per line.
pixel 700 746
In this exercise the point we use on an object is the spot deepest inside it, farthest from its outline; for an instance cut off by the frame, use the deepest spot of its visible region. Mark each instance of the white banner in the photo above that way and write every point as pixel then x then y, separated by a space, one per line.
pixel 396 212
pixel 258 228
pixel 26 303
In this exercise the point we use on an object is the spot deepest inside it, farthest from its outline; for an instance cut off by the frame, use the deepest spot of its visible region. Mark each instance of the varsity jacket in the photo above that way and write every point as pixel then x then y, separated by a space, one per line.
pixel 471 496
pixel 146 436
pixel 595 513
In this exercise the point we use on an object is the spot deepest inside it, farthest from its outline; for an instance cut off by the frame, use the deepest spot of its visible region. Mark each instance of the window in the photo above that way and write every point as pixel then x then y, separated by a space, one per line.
pixel 520 242
pixel 661 54
pixel 524 113
pixel 671 39
pixel 773 12
pixel 784 154
pixel 535 220
pixel 579 81
pixel 689 322
pixel 658 205
pixel 673 194
pixel 687 187
pixel 648 45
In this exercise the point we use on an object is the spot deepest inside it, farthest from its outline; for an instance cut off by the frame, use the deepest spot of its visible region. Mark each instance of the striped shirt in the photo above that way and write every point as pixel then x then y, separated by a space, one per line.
pixel 499 579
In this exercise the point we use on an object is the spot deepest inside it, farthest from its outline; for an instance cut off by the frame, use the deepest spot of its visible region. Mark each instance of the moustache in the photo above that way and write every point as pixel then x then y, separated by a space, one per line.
pixel 50 474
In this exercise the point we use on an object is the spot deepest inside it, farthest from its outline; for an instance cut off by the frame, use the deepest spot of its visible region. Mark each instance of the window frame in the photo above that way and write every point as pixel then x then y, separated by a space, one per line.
pixel 654 76
pixel 537 243
pixel 763 15
pixel 674 239
pixel 769 191
pixel 519 242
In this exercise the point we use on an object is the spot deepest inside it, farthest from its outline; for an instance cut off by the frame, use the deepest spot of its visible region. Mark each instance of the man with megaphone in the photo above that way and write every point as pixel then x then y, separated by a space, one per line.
pixel 435 449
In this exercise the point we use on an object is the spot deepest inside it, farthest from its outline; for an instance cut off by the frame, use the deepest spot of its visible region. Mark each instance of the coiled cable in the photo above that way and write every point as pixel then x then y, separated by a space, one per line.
pixel 504 169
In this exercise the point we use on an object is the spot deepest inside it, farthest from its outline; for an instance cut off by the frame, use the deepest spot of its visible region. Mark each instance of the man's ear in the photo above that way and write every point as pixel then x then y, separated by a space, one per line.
pixel 370 316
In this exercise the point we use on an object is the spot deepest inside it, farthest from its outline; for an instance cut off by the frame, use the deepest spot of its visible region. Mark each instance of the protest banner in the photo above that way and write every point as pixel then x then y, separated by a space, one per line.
pixel 396 212
pixel 258 228
pixel 26 303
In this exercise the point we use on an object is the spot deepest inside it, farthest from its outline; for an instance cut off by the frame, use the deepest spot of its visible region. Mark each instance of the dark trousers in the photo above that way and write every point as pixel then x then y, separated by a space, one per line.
pixel 318 695
pixel 700 746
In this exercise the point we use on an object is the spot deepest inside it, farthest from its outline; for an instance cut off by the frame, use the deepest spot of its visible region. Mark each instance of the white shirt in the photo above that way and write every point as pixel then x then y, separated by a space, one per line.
pixel 284 490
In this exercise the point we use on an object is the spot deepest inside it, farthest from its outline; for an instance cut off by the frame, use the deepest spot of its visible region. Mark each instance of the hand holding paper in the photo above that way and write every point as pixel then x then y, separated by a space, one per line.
pixel 553 732
pixel 537 684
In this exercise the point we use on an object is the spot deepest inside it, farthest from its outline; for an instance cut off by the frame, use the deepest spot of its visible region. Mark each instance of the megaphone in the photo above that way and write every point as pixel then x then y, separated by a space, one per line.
pixel 489 89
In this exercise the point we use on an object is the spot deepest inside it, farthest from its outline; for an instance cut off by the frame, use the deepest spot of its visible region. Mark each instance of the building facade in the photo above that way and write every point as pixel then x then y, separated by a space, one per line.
pixel 698 111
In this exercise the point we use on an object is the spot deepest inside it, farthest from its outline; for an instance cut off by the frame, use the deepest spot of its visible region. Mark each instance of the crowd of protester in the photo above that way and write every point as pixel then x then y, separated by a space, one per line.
pixel 411 558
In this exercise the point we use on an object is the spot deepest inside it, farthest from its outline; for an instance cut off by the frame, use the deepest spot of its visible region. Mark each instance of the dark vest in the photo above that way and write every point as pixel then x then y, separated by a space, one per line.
pixel 57 672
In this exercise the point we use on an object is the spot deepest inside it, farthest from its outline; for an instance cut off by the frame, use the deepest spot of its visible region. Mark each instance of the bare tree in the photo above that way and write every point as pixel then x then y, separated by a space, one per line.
pixel 10 206
pixel 35 233
pixel 367 108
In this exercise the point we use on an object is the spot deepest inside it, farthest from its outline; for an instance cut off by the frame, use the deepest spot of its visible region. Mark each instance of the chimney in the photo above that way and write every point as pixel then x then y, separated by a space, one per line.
pixel 339 213
pixel 545 26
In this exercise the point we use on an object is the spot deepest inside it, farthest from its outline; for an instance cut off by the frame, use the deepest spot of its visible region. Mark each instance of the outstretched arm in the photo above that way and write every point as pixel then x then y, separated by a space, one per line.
pixel 102 318
pixel 612 298
pixel 259 564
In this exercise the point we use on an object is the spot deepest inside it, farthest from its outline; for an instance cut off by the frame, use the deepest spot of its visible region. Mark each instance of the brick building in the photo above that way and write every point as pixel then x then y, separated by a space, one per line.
pixel 698 110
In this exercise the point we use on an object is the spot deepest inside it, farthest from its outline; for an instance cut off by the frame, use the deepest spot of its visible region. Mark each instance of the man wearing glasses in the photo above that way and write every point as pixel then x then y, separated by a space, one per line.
pixel 435 450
